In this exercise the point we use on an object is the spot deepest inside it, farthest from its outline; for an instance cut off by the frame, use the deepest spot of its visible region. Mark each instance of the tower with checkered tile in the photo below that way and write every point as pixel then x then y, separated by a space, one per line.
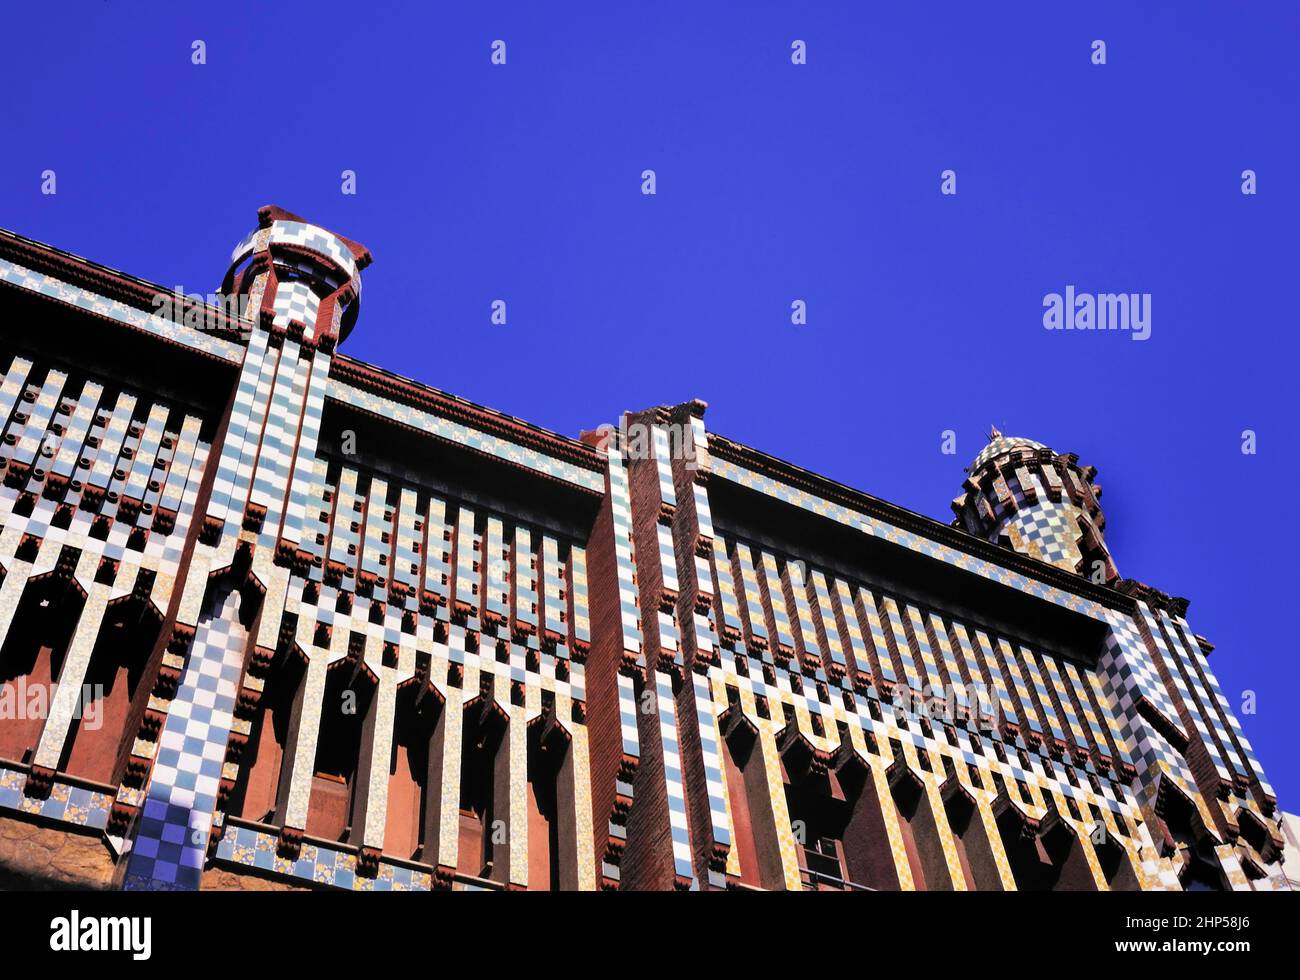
pixel 337 620
pixel 1020 494
pixel 301 286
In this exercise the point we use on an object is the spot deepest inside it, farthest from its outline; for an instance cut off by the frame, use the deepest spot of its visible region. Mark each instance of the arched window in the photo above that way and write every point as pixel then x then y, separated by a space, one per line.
pixel 414 727
pixel 263 764
pixel 345 707
pixel 753 830
pixel 483 770
pixel 978 865
pixel 31 660
pixel 1201 870
pixel 920 834
pixel 550 807
pixel 835 814
pixel 113 688
pixel 1043 858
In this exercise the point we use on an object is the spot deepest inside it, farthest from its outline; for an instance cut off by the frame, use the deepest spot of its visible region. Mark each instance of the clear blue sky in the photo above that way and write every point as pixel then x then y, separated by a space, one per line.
pixel 775 182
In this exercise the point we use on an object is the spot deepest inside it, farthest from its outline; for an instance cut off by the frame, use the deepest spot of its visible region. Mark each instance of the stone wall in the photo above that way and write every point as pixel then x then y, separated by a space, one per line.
pixel 223 879
pixel 34 857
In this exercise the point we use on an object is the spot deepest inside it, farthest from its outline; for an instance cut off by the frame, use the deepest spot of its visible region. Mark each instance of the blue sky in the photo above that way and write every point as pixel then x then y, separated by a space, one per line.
pixel 775 182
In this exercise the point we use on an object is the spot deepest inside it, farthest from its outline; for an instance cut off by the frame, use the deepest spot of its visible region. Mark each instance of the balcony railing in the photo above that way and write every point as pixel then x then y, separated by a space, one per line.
pixel 810 877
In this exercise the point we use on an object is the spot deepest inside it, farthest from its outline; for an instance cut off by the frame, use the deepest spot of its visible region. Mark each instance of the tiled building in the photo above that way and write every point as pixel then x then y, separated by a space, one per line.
pixel 275 617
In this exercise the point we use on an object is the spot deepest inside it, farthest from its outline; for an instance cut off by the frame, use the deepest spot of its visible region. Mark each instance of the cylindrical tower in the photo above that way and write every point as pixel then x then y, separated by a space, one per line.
pixel 1020 494
pixel 298 279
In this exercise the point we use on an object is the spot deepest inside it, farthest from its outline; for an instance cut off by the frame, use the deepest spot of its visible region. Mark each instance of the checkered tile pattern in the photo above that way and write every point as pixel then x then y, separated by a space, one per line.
pixel 1173 658
pixel 1000 445
pixel 725 586
pixel 725 469
pixel 624 553
pixel 578 593
pixel 317 864
pixel 1040 507
pixel 298 391
pixel 372 528
pixel 235 466
pixel 1225 711
pixel 771 580
pixel 715 784
pixel 664 466
pixel 74 805
pixel 295 302
pixel 1052 531
pixel 753 608
pixel 171 839
pixel 681 838
pixel 476 439
pixel 317 239
pixel 301 235
pixel 104 444
pixel 159 326
pixel 1129 677
pixel 1058 699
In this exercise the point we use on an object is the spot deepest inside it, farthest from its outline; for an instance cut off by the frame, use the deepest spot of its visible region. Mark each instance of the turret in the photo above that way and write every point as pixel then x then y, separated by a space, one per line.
pixel 1024 496
pixel 298 279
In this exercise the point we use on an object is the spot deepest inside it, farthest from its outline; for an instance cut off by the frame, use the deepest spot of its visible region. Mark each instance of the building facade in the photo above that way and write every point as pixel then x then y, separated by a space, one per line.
pixel 272 617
